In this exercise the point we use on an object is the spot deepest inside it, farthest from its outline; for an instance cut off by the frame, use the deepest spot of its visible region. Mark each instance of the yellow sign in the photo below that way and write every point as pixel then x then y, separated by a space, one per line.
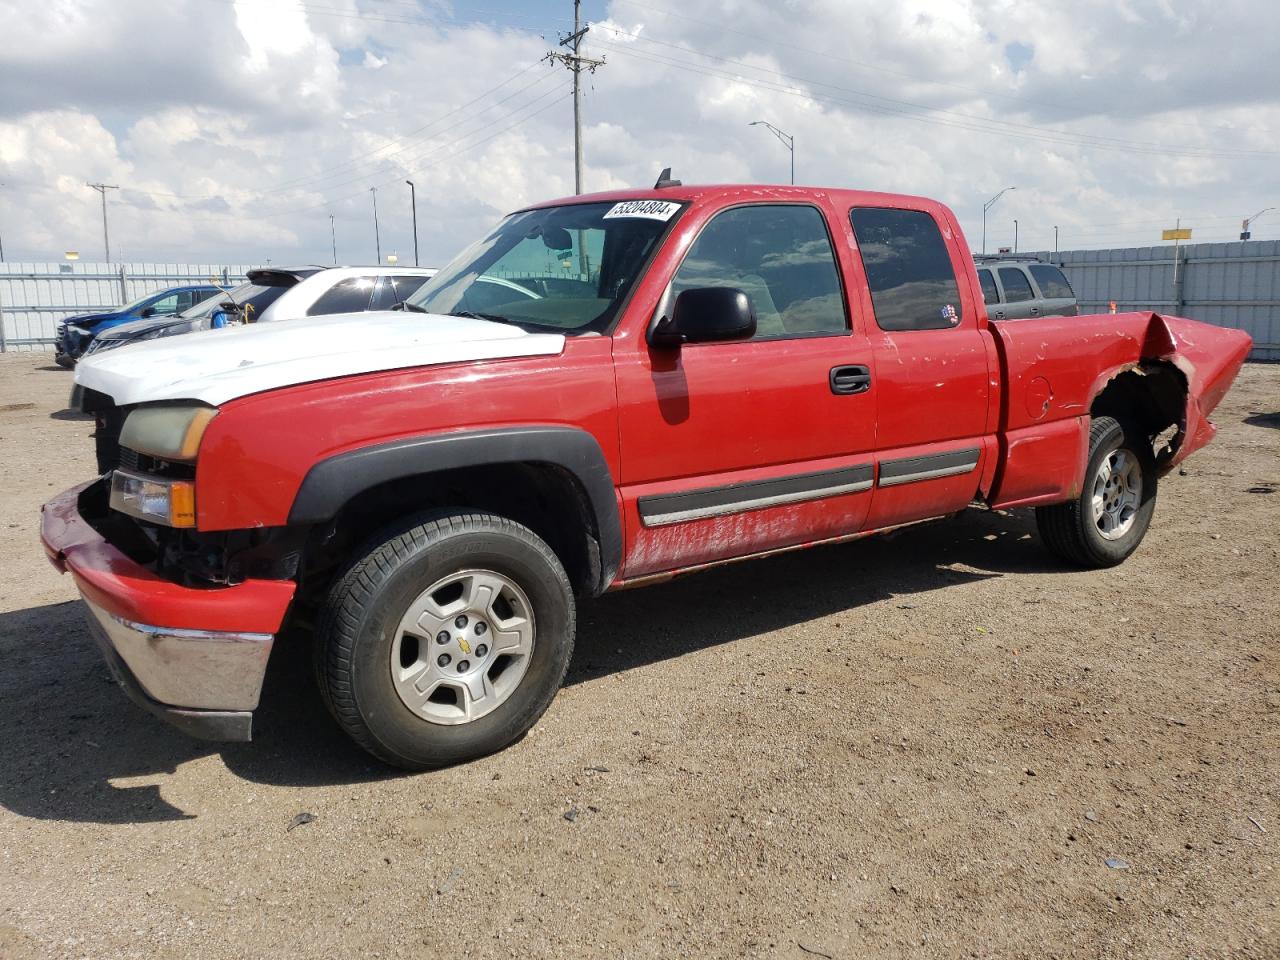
pixel 1183 234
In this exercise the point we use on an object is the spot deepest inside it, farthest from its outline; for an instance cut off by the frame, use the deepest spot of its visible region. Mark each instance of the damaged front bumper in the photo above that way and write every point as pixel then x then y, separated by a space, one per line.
pixel 194 657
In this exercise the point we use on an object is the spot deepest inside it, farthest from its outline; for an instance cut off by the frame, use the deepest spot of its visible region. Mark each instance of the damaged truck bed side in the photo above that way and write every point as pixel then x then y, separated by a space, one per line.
pixel 605 391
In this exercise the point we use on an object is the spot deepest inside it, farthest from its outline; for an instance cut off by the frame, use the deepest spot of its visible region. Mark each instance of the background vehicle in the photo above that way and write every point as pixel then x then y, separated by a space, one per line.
pixel 1015 287
pixel 75 334
pixel 278 293
pixel 708 374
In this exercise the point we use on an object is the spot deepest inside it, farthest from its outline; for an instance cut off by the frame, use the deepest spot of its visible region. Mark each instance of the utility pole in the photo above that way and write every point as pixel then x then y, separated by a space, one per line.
pixel 1015 234
pixel 413 202
pixel 102 188
pixel 377 237
pixel 788 141
pixel 333 236
pixel 987 206
pixel 1055 240
pixel 576 62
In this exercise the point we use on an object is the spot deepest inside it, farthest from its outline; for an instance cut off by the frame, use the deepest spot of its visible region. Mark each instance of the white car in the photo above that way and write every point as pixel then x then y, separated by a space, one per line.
pixel 280 293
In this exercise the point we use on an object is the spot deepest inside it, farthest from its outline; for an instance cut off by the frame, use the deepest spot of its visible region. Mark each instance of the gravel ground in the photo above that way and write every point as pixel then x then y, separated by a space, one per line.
pixel 925 745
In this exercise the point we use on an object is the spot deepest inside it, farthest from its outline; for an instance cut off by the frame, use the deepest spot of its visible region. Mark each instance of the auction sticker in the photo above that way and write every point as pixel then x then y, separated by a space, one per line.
pixel 647 209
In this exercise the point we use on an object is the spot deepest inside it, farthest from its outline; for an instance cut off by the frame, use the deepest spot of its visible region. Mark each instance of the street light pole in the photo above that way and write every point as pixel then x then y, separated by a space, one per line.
pixel 413 202
pixel 786 139
pixel 1244 227
pixel 102 188
pixel 333 236
pixel 987 206
pixel 377 237
pixel 1015 234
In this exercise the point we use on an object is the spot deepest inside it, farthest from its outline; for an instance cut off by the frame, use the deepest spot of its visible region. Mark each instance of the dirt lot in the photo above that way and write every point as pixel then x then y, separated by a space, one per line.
pixel 926 745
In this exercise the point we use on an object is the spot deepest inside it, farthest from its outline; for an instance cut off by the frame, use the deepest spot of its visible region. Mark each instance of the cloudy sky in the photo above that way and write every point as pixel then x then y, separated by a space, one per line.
pixel 235 128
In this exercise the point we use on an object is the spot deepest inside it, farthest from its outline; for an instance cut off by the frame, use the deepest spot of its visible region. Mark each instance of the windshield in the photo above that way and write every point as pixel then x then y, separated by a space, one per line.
pixel 566 268
pixel 258 296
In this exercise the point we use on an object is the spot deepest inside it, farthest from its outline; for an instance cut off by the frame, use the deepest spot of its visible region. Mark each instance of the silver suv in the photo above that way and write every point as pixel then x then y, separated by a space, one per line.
pixel 1015 288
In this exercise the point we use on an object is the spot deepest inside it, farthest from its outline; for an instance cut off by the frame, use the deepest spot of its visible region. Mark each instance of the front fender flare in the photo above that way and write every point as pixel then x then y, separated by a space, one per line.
pixel 332 483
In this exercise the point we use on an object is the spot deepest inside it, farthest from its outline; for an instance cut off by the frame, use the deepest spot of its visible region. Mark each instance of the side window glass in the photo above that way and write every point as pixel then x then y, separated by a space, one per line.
pixel 348 296
pixel 1051 281
pixel 778 255
pixel 165 305
pixel 1017 287
pixel 989 292
pixel 913 285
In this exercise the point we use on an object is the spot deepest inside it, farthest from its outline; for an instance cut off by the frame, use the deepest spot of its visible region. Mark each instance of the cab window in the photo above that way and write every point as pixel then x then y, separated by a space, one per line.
pixel 778 255
pixel 913 285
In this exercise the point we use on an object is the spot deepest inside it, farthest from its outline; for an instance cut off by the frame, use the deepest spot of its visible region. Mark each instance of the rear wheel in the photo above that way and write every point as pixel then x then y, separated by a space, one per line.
pixel 446 641
pixel 1105 524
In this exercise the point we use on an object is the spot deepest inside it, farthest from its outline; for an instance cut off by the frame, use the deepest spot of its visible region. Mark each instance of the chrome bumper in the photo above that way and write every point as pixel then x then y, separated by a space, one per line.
pixel 206 683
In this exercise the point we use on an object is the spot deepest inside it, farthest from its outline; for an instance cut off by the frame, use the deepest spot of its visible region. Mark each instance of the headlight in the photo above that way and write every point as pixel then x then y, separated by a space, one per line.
pixel 171 502
pixel 169 433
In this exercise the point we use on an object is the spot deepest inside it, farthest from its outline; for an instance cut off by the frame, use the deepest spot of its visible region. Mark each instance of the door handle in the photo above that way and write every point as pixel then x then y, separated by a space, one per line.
pixel 1035 311
pixel 851 379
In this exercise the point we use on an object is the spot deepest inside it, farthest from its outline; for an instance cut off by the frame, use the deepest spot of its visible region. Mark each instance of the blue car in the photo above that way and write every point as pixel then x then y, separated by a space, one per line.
pixel 76 333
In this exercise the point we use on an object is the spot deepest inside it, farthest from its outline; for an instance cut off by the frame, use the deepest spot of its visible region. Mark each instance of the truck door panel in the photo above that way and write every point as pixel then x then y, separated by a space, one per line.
pixel 741 447
pixel 932 367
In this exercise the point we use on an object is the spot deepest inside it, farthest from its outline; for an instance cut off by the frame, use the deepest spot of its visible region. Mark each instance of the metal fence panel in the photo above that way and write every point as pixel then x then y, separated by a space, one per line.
pixel 34 297
pixel 1225 284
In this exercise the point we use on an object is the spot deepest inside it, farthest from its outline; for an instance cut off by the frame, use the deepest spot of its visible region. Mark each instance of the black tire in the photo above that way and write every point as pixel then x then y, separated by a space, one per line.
pixel 363 610
pixel 1069 529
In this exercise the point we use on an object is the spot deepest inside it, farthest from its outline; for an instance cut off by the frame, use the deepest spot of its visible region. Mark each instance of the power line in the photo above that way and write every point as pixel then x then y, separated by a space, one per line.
pixel 925 114
pixel 878 69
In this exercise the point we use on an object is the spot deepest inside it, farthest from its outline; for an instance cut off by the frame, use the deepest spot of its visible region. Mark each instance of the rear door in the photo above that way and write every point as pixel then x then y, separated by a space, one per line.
pixel 933 363
pixel 735 448
pixel 1019 298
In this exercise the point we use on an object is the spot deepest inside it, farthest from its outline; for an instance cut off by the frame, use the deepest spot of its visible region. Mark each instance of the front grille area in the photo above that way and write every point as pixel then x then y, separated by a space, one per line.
pixel 128 459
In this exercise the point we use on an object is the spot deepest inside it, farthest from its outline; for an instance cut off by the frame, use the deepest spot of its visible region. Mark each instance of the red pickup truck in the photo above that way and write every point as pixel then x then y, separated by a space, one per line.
pixel 604 392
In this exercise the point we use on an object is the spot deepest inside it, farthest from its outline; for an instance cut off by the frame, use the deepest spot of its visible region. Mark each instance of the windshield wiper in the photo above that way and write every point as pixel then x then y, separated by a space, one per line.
pixel 492 317
pixel 406 305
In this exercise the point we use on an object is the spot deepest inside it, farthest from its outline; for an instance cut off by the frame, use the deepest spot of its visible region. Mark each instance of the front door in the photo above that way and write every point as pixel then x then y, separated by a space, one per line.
pixel 735 448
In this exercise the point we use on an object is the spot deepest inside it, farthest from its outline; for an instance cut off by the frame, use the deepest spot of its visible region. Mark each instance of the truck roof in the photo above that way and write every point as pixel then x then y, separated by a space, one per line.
pixel 749 191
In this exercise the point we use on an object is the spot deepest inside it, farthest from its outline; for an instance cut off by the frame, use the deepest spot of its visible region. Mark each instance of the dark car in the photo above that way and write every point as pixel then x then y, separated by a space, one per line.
pixel 1017 288
pixel 75 334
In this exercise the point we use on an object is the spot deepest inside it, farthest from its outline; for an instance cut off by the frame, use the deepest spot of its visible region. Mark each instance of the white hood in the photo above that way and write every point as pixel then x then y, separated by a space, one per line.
pixel 215 366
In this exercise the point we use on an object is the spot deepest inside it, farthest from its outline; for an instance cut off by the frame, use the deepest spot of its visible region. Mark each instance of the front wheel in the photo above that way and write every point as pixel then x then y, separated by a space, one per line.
pixel 1105 524
pixel 447 641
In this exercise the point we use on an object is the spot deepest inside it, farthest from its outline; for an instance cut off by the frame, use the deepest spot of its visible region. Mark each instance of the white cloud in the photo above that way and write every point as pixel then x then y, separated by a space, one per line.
pixel 234 137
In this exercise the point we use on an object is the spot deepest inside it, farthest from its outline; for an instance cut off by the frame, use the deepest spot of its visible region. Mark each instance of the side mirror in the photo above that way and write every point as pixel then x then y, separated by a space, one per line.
pixel 706 315
pixel 148 312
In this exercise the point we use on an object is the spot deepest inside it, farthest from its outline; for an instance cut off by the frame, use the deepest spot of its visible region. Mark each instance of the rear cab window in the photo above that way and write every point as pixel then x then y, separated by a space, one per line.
pixel 1053 285
pixel 1017 287
pixel 908 268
